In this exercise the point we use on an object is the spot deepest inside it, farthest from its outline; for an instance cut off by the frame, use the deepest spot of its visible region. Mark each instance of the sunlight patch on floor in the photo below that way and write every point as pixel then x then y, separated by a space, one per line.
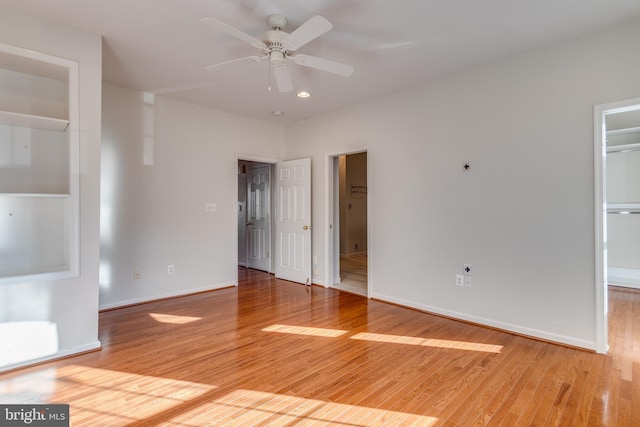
pixel 428 342
pixel 170 318
pixel 305 330
pixel 385 338
pixel 250 407
pixel 106 397
pixel 33 386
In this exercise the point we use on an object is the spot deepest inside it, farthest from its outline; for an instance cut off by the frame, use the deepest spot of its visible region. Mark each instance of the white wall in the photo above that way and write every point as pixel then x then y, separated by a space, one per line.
pixel 522 216
pixel 45 319
pixel 154 215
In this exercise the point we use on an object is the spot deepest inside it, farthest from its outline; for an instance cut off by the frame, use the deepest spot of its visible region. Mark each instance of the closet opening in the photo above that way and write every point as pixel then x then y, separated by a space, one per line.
pixel 349 248
pixel 617 205
pixel 622 194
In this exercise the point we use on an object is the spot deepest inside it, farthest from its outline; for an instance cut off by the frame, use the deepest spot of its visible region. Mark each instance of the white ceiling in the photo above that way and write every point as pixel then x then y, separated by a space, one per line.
pixel 161 45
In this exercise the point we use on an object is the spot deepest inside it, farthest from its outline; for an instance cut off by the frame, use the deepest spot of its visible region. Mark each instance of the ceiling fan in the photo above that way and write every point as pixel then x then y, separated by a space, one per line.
pixel 277 46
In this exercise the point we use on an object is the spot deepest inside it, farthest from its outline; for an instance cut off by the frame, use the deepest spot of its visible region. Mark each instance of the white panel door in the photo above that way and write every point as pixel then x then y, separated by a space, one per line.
pixel 293 224
pixel 258 218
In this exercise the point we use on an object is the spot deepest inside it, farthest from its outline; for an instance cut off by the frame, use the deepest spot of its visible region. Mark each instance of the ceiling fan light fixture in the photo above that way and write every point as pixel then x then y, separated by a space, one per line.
pixel 303 94
pixel 277 59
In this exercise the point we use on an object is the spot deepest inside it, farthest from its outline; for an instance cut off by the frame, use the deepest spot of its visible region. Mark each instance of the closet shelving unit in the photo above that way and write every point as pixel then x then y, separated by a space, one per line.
pixel 623 199
pixel 29 120
pixel 39 166
pixel 622 141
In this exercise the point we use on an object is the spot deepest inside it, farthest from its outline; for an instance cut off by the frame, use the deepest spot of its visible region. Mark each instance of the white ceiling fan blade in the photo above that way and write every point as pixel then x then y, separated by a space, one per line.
pixel 232 31
pixel 323 64
pixel 313 28
pixel 283 78
pixel 235 62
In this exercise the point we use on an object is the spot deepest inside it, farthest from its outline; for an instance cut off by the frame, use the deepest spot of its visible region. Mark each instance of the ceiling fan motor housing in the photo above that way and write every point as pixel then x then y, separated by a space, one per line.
pixel 274 39
pixel 275 47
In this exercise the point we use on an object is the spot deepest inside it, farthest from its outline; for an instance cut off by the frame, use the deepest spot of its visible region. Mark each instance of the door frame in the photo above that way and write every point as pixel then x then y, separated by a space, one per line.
pixel 331 211
pixel 600 220
pixel 250 158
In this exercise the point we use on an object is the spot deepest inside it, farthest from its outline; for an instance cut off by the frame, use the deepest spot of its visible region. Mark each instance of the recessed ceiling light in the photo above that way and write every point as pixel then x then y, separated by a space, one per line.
pixel 303 94
pixel 277 113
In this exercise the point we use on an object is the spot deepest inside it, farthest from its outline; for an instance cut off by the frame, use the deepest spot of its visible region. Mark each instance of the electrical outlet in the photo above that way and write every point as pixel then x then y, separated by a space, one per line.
pixel 467 281
pixel 171 269
pixel 459 280
pixel 136 273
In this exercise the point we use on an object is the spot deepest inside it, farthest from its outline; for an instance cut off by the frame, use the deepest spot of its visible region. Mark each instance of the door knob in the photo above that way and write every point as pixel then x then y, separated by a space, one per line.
pixel 306 227
pixel 248 223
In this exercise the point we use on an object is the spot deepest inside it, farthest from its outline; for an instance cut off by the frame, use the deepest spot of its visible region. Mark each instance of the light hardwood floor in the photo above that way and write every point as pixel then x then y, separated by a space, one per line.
pixel 353 274
pixel 271 352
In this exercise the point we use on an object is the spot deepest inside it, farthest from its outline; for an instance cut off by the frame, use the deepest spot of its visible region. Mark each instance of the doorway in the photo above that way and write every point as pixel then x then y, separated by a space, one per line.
pixel 617 203
pixel 622 195
pixel 254 215
pixel 275 236
pixel 349 217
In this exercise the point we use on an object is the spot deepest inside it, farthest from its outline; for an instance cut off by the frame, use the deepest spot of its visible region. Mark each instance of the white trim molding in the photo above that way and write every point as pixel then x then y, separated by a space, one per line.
pixel 503 326
pixel 96 345
pixel 135 301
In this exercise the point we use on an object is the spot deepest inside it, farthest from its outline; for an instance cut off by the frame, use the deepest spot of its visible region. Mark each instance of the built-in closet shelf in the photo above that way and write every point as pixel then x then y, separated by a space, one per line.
pixel 36 195
pixel 623 148
pixel 624 131
pixel 623 208
pixel 28 120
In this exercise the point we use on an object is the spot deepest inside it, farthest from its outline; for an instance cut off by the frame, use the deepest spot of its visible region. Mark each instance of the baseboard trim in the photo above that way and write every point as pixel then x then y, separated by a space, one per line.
pixel 171 295
pixel 63 354
pixel 627 277
pixel 623 282
pixel 545 336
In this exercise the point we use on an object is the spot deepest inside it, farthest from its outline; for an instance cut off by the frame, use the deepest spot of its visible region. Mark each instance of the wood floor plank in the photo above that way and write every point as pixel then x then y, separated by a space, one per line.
pixel 577 403
pixel 487 386
pixel 270 352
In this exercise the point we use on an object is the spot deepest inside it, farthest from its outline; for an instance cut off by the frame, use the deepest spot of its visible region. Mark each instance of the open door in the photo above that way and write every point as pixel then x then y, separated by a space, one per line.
pixel 293 222
pixel 258 217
